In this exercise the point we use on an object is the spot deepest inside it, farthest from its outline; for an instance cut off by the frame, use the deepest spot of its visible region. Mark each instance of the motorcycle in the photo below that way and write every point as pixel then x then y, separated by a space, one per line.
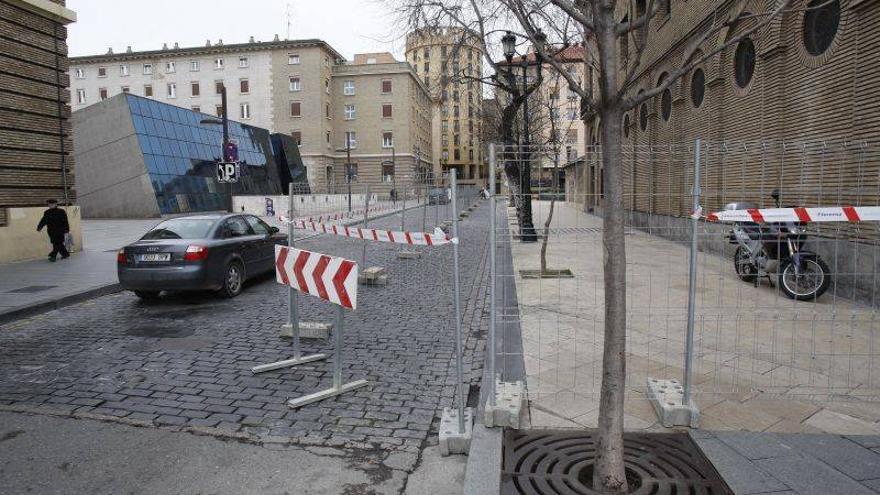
pixel 761 248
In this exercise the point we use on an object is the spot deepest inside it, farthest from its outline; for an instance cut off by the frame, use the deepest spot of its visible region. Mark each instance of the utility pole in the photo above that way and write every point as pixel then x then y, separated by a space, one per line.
pixel 527 229
pixel 348 166
pixel 226 143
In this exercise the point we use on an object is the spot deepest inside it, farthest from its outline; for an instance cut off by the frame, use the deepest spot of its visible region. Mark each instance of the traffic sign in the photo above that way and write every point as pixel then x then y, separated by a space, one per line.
pixel 227 171
pixel 230 154
pixel 330 278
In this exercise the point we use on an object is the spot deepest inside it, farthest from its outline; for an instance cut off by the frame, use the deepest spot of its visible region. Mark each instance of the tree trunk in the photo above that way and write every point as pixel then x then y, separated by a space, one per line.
pixel 609 475
pixel 550 214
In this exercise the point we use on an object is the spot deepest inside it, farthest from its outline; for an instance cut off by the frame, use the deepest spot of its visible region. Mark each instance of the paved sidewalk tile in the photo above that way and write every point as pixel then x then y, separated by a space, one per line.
pixel 808 476
pixel 755 445
pixel 740 474
pixel 840 453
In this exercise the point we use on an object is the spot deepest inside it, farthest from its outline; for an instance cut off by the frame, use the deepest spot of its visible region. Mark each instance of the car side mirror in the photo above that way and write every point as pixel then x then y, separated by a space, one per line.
pixel 273 230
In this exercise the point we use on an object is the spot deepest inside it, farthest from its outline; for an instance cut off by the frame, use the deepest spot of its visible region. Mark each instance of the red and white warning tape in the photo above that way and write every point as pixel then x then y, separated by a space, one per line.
pixel 438 238
pixel 817 214
pixel 343 215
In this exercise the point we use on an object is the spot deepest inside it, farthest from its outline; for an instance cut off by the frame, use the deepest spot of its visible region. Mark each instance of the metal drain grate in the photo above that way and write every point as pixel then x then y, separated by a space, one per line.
pixel 549 462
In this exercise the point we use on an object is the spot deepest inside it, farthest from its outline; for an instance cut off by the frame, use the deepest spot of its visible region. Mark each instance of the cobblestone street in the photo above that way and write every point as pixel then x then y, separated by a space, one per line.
pixel 184 362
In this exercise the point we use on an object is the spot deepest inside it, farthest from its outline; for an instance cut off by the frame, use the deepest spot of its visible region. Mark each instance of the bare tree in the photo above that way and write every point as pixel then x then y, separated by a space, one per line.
pixel 603 27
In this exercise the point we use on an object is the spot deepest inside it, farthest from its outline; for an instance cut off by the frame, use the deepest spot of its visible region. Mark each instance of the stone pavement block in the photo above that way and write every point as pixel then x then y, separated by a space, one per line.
pixel 739 416
pixel 840 453
pixel 740 474
pixel 755 445
pixel 867 441
pixel 872 484
pixel 807 476
pixel 842 424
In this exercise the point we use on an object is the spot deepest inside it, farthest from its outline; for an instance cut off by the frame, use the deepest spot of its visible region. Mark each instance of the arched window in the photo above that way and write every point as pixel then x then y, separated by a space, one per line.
pixel 665 100
pixel 698 87
pixel 821 21
pixel 626 125
pixel 643 116
pixel 744 62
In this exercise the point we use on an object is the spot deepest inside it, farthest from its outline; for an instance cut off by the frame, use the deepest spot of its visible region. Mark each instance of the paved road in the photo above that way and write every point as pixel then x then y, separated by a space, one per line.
pixel 184 363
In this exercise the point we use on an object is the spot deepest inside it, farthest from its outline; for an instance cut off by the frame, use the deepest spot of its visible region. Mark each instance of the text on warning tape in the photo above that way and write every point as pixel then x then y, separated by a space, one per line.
pixel 817 214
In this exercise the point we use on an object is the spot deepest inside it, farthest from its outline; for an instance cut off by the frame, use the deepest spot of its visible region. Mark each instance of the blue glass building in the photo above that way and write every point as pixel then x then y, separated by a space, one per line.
pixel 178 154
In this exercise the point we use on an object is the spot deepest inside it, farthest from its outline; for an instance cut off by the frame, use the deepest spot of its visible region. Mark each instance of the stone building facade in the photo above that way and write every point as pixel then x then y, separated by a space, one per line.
pixel 35 137
pixel 449 62
pixel 294 87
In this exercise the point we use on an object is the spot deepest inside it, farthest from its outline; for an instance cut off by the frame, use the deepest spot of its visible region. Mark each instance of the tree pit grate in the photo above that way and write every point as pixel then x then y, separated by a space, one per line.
pixel 550 462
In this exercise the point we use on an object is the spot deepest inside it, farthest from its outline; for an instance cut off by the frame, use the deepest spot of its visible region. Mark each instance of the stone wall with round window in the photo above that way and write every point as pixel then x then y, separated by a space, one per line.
pixel 821 23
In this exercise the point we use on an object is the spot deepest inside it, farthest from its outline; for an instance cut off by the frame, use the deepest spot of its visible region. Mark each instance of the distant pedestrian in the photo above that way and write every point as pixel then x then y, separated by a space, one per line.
pixel 55 221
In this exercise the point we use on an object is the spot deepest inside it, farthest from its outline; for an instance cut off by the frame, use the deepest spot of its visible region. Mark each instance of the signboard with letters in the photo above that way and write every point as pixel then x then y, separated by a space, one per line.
pixel 227 172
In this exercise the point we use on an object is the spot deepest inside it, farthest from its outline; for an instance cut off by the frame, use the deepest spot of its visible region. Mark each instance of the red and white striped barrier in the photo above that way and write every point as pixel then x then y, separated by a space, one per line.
pixel 327 277
pixel 438 238
pixel 817 214
pixel 344 215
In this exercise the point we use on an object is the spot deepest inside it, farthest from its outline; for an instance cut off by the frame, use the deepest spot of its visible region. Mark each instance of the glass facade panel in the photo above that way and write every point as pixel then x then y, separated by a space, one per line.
pixel 180 155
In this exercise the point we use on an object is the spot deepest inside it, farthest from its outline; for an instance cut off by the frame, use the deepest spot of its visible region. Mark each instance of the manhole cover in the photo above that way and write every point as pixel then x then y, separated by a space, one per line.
pixel 31 289
pixel 159 331
pixel 555 462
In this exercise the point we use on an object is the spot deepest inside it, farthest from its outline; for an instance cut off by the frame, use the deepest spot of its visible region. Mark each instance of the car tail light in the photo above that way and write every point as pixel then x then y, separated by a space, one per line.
pixel 120 257
pixel 196 253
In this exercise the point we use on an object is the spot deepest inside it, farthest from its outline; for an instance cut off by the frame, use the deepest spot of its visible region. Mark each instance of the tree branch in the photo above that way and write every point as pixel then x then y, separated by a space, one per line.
pixel 571 9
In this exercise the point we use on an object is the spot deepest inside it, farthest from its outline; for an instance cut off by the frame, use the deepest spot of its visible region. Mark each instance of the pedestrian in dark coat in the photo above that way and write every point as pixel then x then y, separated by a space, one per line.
pixel 55 221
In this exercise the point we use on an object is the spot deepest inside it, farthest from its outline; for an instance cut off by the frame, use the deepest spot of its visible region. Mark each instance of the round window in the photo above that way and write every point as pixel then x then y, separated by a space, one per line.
pixel 821 21
pixel 666 104
pixel 626 125
pixel 643 116
pixel 744 62
pixel 698 87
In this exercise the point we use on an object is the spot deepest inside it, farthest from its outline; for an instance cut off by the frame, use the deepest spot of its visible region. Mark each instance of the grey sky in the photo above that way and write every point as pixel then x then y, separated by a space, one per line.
pixel 349 26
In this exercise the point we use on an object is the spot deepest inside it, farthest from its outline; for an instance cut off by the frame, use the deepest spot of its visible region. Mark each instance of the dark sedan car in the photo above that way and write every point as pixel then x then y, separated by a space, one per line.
pixel 201 252
pixel 438 196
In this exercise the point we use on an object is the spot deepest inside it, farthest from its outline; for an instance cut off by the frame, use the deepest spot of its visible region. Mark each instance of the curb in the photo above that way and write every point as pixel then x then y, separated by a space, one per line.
pixel 46 306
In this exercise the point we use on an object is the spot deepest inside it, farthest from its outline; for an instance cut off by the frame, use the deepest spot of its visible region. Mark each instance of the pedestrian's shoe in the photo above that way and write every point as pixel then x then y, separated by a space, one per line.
pixel 52 259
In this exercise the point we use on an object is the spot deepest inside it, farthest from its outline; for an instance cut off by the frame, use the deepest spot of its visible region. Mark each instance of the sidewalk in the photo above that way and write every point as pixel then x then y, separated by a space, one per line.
pixel 762 361
pixel 31 287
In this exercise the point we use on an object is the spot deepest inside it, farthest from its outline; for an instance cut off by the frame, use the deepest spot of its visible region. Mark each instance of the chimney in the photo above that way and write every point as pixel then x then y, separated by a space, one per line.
pixel 128 49
pixel 251 40
pixel 220 42
pixel 176 45
pixel 208 43
pixel 110 51
pixel 277 38
pixel 164 46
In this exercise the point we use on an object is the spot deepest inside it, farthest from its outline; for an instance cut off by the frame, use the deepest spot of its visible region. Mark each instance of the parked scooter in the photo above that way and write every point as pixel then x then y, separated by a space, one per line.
pixel 801 274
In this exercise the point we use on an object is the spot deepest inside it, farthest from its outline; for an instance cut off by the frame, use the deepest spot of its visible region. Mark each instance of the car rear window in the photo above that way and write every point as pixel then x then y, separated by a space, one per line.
pixel 181 228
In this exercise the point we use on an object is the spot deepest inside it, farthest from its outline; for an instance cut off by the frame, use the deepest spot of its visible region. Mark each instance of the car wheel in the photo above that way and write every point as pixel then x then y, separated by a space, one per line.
pixel 147 295
pixel 233 280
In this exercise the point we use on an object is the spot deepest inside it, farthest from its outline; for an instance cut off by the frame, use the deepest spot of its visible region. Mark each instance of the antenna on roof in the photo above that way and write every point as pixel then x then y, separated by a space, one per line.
pixel 289 17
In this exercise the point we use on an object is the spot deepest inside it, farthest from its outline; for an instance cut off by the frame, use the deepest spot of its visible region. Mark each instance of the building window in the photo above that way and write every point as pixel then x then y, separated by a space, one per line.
pixel 456 154
pixel 102 72
pixel 327 85
pixel 698 87
pixel 218 110
pixel 387 139
pixel 123 70
pixel 218 87
pixel 197 109
pixel 821 21
pixel 327 110
pixel 427 66
pixel 297 137
pixel 125 89
pixel 348 88
pixel 387 172
pixel 295 84
pixel 665 101
pixel 218 63
pixel 327 137
pixel 245 111
pixel 292 59
pixel 102 93
pixel 386 111
pixel 326 61
pixel 572 136
pixel 80 74
pixel 242 62
pixel 349 112
pixel 148 90
pixel 626 125
pixel 295 109
pixel 80 96
pixel 194 65
pixel 195 88
pixel 148 69
pixel 350 139
pixel 386 86
pixel 572 113
pixel 172 90
pixel 170 67
pixel 643 116
pixel 744 62
pixel 244 86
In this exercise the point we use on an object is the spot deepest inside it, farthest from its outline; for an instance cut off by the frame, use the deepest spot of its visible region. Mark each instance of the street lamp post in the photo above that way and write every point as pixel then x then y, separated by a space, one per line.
pixel 224 122
pixel 348 167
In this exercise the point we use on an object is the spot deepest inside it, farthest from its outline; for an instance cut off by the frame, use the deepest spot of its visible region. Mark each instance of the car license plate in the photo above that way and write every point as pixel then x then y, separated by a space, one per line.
pixel 155 257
